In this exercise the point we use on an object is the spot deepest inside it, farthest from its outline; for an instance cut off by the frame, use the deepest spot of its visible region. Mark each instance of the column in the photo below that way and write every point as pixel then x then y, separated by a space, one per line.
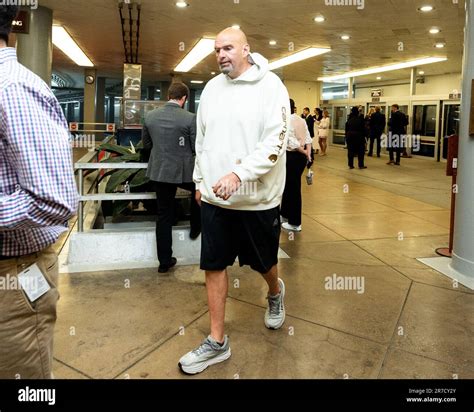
pixel 89 98
pixel 35 49
pixel 150 93
pixel 100 100
pixel 111 110
pixel 164 91
pixel 192 101
pixel 462 262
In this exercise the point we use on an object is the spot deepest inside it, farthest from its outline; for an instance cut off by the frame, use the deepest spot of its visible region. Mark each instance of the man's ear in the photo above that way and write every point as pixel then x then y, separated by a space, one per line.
pixel 246 50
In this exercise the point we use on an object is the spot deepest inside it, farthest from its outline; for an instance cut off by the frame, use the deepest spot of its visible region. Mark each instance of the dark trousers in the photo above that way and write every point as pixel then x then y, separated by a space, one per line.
pixel 165 199
pixel 291 204
pixel 398 153
pixel 371 148
pixel 356 149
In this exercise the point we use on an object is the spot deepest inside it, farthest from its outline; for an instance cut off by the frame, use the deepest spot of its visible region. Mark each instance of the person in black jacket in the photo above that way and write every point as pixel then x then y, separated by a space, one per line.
pixel 355 138
pixel 309 121
pixel 397 134
pixel 377 126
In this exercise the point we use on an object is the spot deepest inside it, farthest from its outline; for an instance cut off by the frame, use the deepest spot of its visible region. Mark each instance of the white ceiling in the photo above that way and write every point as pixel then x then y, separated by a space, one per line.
pixel 375 33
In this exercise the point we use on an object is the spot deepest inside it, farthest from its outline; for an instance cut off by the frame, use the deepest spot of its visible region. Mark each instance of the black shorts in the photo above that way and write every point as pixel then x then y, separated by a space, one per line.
pixel 253 236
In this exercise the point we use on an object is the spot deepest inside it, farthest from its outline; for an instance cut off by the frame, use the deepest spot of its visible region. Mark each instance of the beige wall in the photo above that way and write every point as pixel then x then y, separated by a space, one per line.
pixel 305 94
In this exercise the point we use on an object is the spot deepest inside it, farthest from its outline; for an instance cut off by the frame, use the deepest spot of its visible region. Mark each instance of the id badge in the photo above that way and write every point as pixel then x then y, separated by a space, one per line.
pixel 33 282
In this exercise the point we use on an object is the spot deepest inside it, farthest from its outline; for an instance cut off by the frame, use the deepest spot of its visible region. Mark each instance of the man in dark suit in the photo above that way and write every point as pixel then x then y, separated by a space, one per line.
pixel 377 126
pixel 169 133
pixel 397 134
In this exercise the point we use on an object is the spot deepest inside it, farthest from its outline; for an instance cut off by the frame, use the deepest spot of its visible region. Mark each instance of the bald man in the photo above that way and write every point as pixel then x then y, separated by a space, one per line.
pixel 240 177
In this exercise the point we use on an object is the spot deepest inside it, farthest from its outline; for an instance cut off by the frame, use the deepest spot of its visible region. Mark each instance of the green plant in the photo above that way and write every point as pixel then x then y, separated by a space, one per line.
pixel 136 178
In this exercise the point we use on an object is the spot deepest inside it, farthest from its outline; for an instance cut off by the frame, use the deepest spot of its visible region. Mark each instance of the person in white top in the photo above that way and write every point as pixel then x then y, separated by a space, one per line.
pixel 324 126
pixel 297 156
pixel 240 176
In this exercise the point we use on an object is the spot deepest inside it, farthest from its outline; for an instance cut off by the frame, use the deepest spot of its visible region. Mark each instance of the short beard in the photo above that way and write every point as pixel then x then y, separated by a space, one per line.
pixel 227 69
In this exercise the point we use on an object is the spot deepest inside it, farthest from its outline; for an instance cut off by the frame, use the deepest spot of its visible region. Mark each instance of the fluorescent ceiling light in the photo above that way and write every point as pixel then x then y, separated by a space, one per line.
pixel 383 69
pixel 272 42
pixel 301 55
pixel 434 30
pixel 197 81
pixel 421 73
pixel 345 37
pixel 213 73
pixel 181 4
pixel 201 50
pixel 63 41
pixel 319 19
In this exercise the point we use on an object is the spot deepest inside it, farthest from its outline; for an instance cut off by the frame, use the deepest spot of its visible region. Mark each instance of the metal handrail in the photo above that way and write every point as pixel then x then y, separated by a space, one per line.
pixel 80 166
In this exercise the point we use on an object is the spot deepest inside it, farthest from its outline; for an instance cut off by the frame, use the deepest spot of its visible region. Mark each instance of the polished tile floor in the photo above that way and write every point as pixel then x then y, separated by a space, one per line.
pixel 403 320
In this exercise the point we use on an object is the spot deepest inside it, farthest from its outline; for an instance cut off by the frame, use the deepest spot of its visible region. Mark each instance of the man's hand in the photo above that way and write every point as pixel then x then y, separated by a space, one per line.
pixel 197 196
pixel 226 186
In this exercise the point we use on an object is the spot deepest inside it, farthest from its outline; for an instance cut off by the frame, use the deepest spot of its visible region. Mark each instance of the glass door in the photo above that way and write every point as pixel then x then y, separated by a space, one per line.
pixel 449 126
pixel 339 120
pixel 425 125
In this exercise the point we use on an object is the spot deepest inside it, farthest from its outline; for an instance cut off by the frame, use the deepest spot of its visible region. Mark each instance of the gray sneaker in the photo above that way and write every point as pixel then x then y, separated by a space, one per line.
pixel 275 313
pixel 209 353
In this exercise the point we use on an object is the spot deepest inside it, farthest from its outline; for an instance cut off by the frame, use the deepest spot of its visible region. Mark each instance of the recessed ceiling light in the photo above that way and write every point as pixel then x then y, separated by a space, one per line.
pixel 236 26
pixel 213 73
pixel 440 45
pixel 379 78
pixel 181 4
pixel 158 90
pixel 272 42
pixel 426 9
pixel 434 30
pixel 197 81
pixel 421 73
pixel 382 69
pixel 319 19
pixel 345 37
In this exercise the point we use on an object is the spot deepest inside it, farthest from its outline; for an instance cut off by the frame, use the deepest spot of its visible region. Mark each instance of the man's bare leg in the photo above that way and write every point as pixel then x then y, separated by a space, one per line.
pixel 217 287
pixel 271 278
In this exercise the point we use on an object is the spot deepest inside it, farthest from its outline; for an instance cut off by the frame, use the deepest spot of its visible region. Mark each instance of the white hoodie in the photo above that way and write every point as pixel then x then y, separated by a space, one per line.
pixel 241 128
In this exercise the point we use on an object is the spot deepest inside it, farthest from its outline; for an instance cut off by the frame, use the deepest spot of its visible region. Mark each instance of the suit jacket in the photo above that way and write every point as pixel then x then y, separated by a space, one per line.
pixel 169 133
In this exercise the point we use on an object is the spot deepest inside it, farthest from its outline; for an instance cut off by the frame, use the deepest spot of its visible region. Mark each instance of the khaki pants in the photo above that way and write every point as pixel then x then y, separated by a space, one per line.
pixel 26 329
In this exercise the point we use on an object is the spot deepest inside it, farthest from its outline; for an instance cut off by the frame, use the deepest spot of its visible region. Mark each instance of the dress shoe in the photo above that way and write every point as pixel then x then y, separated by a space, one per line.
pixel 194 234
pixel 165 268
pixel 363 167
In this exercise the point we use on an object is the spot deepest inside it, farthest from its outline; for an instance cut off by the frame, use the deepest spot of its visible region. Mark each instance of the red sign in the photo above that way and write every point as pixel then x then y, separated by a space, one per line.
pixel 111 127
pixel 73 127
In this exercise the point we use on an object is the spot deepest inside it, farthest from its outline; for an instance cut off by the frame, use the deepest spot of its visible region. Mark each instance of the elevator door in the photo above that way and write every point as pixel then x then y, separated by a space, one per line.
pixel 450 126
pixel 425 125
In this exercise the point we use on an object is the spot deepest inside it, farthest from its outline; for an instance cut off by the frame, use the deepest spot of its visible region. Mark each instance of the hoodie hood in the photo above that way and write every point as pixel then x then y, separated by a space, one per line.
pixel 256 72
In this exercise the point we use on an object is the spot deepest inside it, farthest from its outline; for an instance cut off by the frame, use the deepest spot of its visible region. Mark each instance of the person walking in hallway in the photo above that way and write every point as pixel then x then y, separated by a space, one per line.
pixel 377 126
pixel 397 134
pixel 240 176
pixel 169 133
pixel 323 134
pixel 355 137
pixel 298 155
pixel 37 197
